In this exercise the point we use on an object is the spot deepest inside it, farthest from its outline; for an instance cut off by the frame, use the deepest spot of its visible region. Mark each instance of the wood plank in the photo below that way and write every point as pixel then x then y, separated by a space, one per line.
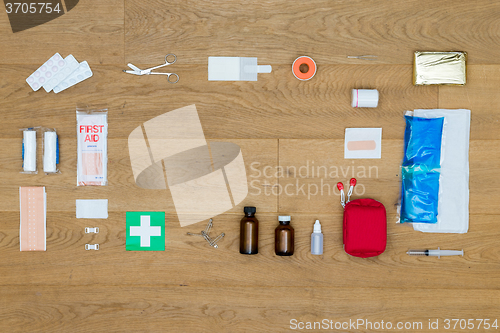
pixel 62 190
pixel 237 309
pixel 188 260
pixel 277 31
pixel 380 179
pixel 91 31
pixel 480 95
pixel 277 121
pixel 277 106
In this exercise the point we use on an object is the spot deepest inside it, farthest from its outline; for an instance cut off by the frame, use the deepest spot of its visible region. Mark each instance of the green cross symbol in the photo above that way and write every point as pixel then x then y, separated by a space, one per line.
pixel 145 231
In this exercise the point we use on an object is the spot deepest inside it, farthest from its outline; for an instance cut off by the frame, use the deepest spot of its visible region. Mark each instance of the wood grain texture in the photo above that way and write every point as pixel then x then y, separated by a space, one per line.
pixel 279 31
pixel 62 191
pixel 92 31
pixel 277 106
pixel 279 122
pixel 480 95
pixel 189 261
pixel 207 309
pixel 314 165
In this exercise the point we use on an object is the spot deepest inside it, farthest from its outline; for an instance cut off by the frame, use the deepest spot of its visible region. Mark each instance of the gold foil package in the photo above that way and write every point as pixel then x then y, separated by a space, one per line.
pixel 447 68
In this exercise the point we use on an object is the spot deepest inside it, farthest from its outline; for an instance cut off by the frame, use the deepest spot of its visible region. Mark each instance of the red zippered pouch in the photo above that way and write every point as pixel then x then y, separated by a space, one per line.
pixel 365 225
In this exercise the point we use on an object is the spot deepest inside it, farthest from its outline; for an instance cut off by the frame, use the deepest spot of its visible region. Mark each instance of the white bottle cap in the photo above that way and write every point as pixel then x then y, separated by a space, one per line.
pixel 317 227
pixel 284 218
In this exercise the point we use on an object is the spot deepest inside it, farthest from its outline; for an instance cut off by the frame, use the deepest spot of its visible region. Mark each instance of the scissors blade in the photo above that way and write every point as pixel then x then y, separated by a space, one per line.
pixel 135 68
pixel 133 72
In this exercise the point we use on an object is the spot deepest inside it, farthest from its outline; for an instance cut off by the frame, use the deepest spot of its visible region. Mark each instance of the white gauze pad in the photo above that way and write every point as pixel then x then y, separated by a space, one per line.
pixel 83 72
pixel 50 152
pixel 29 151
pixel 92 209
pixel 60 73
pixel 45 72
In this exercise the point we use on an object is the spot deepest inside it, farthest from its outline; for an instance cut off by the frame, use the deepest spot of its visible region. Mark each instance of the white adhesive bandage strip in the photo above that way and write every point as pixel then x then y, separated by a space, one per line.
pixel 63 72
pixel 29 151
pixel 32 228
pixel 83 72
pixel 45 72
pixel 92 132
pixel 50 152
pixel 235 69
pixel 92 209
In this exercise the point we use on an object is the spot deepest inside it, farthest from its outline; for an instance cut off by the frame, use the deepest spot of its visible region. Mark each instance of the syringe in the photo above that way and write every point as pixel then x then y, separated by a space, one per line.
pixel 435 253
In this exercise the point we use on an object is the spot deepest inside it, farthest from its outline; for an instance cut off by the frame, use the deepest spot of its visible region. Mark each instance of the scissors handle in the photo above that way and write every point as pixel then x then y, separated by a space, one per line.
pixel 166 58
pixel 168 76
pixel 176 76
pixel 165 64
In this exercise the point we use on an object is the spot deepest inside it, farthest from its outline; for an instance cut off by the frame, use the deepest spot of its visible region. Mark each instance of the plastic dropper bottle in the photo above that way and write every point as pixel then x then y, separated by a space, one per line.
pixel 317 239
pixel 249 232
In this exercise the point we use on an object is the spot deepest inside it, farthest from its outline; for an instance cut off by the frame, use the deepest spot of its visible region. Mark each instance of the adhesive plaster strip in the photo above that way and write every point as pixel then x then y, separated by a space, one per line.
pixel 363 143
pixel 92 209
pixel 32 230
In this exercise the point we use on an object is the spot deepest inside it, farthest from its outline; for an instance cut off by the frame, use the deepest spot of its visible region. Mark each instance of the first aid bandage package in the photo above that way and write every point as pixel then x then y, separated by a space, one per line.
pixel 92 133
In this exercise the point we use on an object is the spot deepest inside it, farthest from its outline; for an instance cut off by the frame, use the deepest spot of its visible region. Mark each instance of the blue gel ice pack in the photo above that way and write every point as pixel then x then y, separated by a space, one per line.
pixel 421 169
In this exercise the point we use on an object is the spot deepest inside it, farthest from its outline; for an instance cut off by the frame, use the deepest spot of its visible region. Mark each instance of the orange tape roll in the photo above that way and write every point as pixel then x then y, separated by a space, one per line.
pixel 304 68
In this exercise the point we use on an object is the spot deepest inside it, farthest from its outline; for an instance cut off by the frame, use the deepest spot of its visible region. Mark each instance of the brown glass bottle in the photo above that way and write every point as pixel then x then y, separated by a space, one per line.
pixel 284 241
pixel 249 232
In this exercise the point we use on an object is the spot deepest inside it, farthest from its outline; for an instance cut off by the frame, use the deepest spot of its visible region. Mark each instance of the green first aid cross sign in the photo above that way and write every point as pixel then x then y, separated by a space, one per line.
pixel 145 231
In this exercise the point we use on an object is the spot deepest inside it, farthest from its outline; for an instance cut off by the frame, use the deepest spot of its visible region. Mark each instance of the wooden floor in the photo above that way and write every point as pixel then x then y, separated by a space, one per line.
pixel 277 121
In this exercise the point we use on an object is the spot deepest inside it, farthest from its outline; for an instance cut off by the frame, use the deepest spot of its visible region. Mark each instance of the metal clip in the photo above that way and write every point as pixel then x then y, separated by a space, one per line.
pixel 205 234
pixel 91 230
pixel 92 247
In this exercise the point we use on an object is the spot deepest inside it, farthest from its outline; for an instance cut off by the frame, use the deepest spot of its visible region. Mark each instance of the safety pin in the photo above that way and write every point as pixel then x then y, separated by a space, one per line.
pixel 205 234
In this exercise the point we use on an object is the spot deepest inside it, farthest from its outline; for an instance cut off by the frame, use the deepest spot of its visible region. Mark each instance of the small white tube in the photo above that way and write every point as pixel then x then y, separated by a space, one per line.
pixel 29 151
pixel 364 98
pixel 50 152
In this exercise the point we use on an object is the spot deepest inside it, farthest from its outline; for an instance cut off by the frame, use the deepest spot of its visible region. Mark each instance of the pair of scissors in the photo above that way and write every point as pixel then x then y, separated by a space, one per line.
pixel 137 71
